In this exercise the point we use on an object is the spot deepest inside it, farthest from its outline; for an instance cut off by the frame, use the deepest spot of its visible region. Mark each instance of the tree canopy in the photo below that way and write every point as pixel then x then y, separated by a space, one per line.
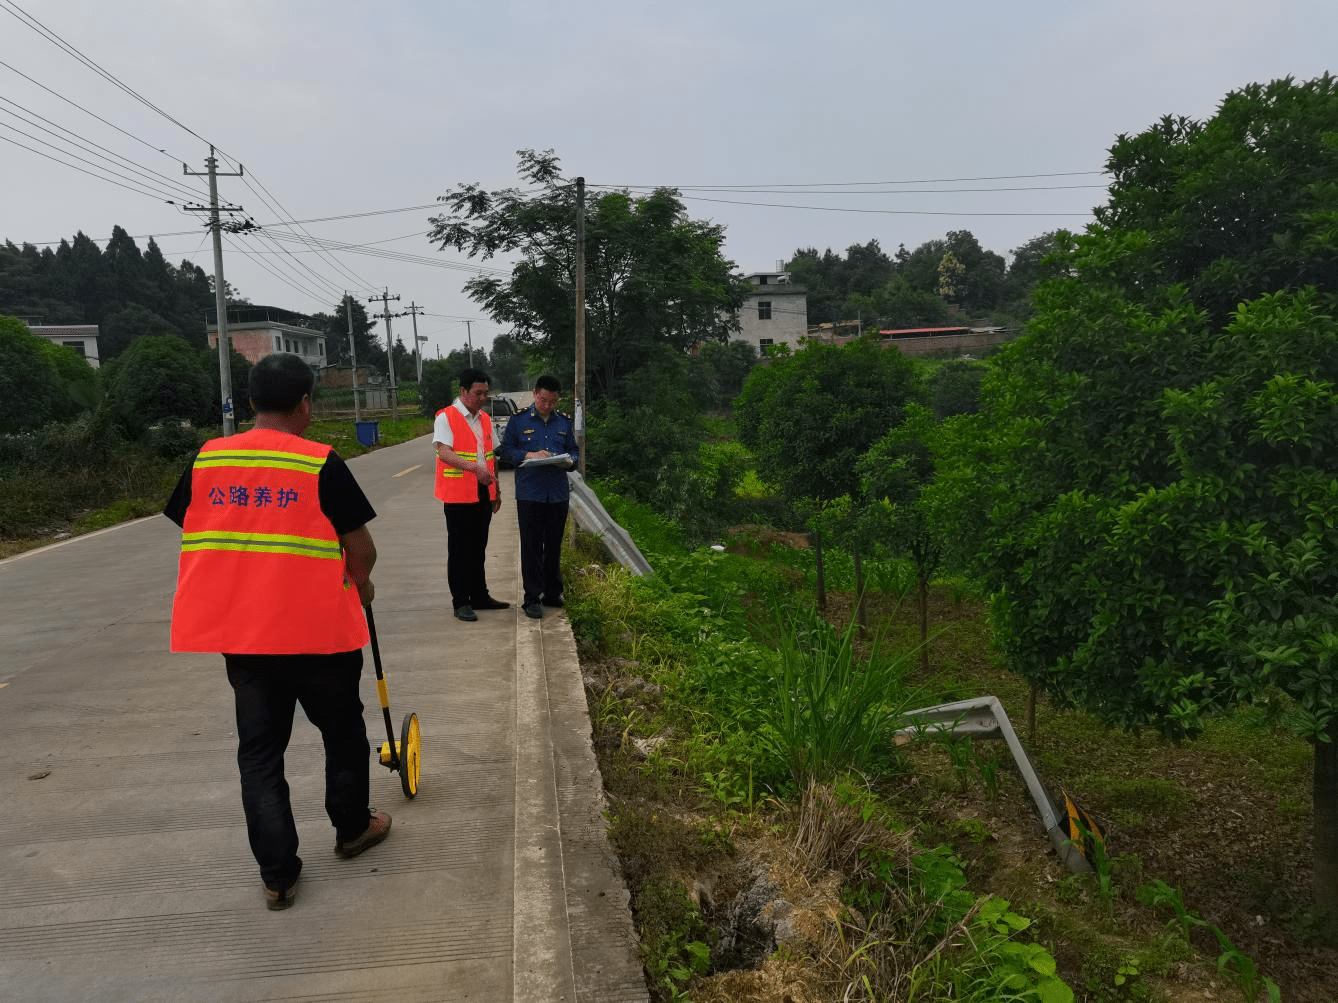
pixel 31 390
pixel 157 378
pixel 808 417
pixel 1149 482
pixel 654 277
pixel 78 283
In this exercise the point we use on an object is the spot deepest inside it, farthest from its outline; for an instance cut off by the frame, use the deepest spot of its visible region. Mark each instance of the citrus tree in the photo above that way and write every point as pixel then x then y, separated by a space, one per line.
pixel 1149 484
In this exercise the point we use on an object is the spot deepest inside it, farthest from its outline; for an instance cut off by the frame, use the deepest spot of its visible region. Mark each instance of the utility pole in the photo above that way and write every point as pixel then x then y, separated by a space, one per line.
pixel 220 298
pixel 578 392
pixel 413 311
pixel 385 299
pixel 352 353
pixel 469 338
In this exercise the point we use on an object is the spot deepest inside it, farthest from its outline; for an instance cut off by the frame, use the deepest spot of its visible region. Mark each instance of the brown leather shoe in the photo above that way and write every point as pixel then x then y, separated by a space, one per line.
pixel 280 898
pixel 378 828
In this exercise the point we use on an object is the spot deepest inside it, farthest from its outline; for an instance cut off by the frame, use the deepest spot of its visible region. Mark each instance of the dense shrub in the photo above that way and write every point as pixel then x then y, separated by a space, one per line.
pixel 156 379
pixel 31 390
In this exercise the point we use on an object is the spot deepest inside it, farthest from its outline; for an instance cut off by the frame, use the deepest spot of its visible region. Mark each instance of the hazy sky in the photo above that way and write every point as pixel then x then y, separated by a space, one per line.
pixel 338 108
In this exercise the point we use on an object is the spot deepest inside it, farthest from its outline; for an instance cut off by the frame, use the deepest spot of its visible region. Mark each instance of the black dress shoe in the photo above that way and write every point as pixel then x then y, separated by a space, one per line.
pixel 465 613
pixel 533 611
pixel 555 602
pixel 488 602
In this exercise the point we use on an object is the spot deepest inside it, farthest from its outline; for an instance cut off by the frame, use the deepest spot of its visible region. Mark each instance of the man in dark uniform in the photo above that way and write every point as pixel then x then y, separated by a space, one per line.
pixel 532 442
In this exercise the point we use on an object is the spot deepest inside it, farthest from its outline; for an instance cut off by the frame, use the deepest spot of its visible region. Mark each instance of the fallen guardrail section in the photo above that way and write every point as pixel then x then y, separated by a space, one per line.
pixel 588 513
pixel 984 717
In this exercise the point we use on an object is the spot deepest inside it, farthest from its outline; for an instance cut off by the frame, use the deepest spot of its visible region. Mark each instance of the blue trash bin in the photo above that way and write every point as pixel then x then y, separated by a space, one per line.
pixel 369 432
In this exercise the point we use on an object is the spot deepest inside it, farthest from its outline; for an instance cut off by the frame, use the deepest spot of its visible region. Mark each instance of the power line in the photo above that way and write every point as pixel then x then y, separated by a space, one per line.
pixel 84 143
pixel 288 220
pixel 272 271
pixel 846 184
pixel 884 191
pixel 87 112
pixel 31 22
pixel 127 187
pixel 885 212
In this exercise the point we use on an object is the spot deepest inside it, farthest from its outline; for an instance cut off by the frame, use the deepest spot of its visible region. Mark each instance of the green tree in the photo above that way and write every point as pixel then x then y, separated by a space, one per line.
pixel 977 282
pixel 653 276
pixel 818 274
pixel 78 379
pixel 809 417
pixel 1242 204
pixel 647 444
pixel 31 390
pixel 158 378
pixel 335 325
pixel 896 304
pixel 439 386
pixel 1150 478
pixel 954 388
pixel 893 475
pixel 723 368
pixel 122 327
pixel 1033 262
pixel 506 364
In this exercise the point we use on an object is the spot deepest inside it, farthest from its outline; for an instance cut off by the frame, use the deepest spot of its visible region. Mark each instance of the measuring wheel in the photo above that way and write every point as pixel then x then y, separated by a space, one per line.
pixel 410 743
pixel 401 756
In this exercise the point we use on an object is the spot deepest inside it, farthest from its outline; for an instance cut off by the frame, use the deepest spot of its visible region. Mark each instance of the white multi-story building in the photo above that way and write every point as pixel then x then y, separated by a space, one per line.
pixel 82 339
pixel 775 314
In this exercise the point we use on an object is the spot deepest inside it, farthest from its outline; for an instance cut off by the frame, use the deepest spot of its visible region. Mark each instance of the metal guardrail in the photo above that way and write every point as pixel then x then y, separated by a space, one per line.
pixel 589 515
pixel 984 717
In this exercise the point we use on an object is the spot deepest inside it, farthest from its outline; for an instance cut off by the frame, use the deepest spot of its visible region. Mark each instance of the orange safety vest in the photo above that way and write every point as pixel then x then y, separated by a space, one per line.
pixel 261 569
pixel 456 485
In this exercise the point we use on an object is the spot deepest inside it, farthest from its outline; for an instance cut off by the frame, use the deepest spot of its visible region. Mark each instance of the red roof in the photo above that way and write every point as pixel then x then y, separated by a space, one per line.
pixel 921 330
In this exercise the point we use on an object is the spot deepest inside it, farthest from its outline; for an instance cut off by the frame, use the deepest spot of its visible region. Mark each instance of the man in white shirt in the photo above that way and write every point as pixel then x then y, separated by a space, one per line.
pixel 466 485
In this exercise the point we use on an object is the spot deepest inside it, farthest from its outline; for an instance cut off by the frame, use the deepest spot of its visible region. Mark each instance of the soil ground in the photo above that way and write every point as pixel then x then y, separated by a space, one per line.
pixel 1224 821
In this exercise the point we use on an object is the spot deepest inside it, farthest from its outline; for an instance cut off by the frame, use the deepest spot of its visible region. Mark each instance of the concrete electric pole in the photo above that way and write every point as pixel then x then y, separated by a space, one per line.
pixel 413 311
pixel 220 289
pixel 385 299
pixel 352 353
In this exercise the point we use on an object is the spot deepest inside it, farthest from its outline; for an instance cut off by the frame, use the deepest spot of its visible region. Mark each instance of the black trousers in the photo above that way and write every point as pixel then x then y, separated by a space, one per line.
pixel 541 526
pixel 267 689
pixel 466 547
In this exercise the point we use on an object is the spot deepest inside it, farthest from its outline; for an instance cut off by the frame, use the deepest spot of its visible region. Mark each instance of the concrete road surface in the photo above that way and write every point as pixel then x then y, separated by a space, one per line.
pixel 124 867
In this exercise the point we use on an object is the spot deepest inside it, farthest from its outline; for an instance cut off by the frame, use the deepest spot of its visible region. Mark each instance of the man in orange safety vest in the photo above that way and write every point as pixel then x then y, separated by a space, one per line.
pixel 276 563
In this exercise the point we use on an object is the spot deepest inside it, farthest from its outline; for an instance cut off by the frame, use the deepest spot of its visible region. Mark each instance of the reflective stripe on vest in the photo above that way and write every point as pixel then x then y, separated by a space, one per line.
pixel 262 543
pixel 261 568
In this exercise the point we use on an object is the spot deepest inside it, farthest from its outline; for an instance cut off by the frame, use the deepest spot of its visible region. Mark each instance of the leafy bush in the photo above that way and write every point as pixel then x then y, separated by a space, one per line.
pixel 53 475
pixel 31 390
pixel 156 378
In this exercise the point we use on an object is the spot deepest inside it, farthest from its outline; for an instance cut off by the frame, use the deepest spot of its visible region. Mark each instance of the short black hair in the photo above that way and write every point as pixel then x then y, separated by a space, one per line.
pixel 279 382
pixel 468 377
pixel 547 382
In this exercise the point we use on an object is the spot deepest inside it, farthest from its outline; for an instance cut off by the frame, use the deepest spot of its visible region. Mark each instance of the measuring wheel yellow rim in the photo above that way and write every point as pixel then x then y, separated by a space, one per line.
pixel 410 744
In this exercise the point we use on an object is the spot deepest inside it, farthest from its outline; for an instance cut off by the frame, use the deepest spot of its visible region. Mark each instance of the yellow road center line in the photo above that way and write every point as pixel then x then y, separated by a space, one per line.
pixel 409 470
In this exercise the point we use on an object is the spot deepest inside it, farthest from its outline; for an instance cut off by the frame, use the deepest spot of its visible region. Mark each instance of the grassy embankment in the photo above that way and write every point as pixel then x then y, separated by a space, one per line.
pixel 729 748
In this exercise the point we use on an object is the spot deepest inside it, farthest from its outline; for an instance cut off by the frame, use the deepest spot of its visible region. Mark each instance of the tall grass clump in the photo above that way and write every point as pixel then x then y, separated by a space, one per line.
pixel 831 710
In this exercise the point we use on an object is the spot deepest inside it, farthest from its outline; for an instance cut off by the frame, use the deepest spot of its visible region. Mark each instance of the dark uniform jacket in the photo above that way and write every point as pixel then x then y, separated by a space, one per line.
pixel 528 433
